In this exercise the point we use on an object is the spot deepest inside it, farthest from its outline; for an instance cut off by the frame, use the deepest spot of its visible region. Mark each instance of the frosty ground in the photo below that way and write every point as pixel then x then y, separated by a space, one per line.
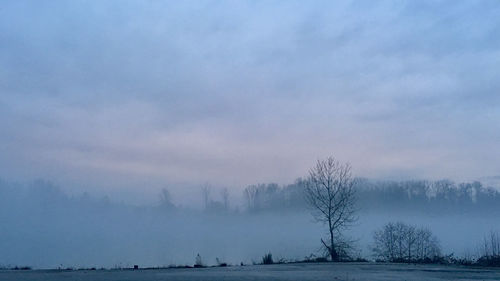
pixel 304 272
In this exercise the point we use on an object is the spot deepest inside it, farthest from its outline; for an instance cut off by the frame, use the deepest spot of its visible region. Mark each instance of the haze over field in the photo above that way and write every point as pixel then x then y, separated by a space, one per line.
pixel 43 227
pixel 109 102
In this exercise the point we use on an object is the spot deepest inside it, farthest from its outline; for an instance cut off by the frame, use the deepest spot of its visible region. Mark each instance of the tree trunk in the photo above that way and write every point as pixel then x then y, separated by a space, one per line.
pixel 333 252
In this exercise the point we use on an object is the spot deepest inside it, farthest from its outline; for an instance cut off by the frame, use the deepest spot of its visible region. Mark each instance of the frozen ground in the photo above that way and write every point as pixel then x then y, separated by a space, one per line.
pixel 303 272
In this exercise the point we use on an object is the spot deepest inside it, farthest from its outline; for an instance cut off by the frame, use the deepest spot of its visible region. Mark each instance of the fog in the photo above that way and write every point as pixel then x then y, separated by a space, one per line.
pixel 137 95
pixel 43 227
pixel 110 103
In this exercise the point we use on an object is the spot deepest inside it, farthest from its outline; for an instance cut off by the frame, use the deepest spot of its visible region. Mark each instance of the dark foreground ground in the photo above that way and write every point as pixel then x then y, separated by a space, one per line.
pixel 302 272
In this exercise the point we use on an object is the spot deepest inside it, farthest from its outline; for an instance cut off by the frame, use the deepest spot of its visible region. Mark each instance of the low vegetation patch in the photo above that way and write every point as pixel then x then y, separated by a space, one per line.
pixel 267 259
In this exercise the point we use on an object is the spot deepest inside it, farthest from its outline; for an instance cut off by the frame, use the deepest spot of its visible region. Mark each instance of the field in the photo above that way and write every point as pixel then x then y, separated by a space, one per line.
pixel 303 272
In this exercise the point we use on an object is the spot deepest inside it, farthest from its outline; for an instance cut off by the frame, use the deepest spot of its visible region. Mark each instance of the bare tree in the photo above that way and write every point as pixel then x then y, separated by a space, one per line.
pixel 166 200
pixel 400 242
pixel 410 240
pixel 225 198
pixel 491 245
pixel 205 190
pixel 330 194
pixel 251 195
pixel 489 254
pixel 385 242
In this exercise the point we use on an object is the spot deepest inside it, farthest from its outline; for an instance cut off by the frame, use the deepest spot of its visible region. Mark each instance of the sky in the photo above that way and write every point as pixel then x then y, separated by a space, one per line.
pixel 143 94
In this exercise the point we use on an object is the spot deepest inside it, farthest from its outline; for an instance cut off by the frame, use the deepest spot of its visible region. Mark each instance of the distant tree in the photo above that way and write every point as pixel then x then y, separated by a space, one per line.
pixel 166 200
pixel 45 192
pixel 198 261
pixel 250 194
pixel 491 245
pixel 267 259
pixel 331 195
pixel 225 198
pixel 205 191
pixel 490 250
pixel 263 197
pixel 427 245
pixel 293 195
pixel 215 206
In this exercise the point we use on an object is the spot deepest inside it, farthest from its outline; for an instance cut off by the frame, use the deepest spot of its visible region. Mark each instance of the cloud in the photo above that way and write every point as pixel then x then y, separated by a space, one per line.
pixel 242 92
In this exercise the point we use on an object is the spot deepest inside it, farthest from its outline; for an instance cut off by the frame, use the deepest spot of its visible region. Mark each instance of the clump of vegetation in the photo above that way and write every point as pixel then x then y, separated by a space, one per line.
pixel 489 261
pixel 220 263
pixel 313 258
pixel 400 242
pixel 198 262
pixel 178 266
pixel 267 259
pixel 21 268
pixel 490 251
pixel 488 254
pixel 87 268
pixel 467 261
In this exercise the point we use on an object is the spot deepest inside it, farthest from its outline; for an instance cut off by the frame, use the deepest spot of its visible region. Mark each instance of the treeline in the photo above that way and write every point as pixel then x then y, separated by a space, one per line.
pixel 272 197
pixel 415 195
pixel 428 196
pixel 42 196
pixel 441 196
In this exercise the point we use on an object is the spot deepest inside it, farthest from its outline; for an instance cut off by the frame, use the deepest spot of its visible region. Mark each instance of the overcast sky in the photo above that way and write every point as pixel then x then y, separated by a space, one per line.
pixel 145 93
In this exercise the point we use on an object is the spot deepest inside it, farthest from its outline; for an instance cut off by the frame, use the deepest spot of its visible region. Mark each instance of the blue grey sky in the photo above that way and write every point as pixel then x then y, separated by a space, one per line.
pixel 145 93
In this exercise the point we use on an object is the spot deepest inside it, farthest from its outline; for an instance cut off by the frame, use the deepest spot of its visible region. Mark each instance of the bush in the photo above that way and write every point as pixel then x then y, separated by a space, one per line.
pixel 220 263
pixel 22 268
pixel 267 259
pixel 490 250
pixel 198 262
pixel 400 242
pixel 493 261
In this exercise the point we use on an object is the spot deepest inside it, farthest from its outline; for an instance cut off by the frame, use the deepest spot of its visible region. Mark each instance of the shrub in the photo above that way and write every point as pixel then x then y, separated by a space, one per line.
pixel 267 259
pixel 493 261
pixel 400 242
pixel 22 268
pixel 198 262
pixel 220 263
